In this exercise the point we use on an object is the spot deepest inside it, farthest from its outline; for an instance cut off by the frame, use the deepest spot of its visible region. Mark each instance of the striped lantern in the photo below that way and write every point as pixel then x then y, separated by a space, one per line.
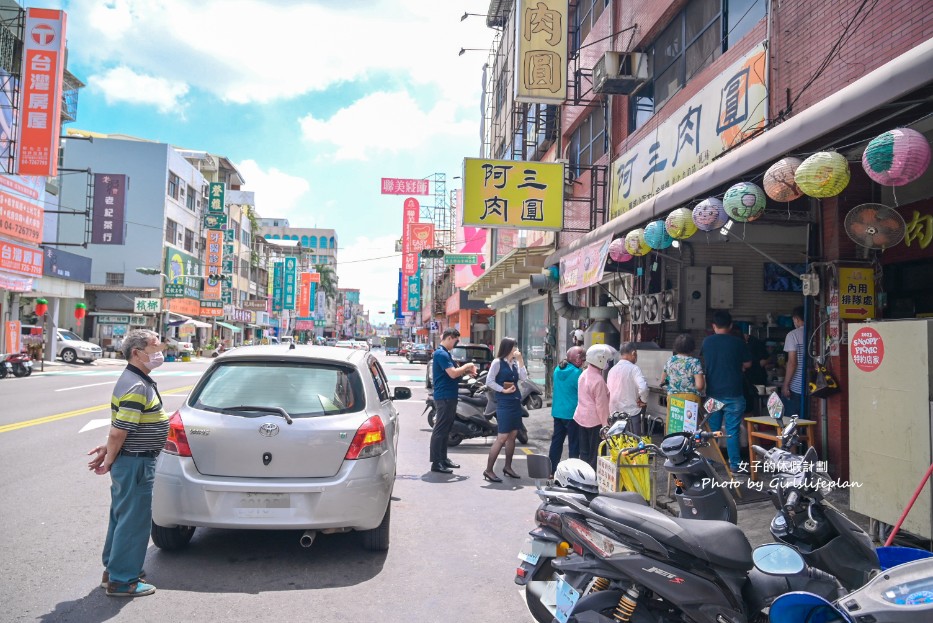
pixel 617 251
pixel 709 214
pixel 679 224
pixel 744 202
pixel 635 242
pixel 824 174
pixel 779 181
pixel 656 235
pixel 897 157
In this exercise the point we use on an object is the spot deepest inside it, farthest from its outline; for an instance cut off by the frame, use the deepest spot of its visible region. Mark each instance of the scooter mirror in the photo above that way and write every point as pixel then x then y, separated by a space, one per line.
pixel 776 406
pixel 539 466
pixel 778 559
pixel 618 428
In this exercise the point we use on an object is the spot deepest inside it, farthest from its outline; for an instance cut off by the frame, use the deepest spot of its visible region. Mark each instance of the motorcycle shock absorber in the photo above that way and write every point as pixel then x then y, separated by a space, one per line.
pixel 626 606
pixel 599 584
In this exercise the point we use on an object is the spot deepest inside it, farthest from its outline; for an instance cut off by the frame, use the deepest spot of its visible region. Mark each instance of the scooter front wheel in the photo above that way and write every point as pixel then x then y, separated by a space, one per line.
pixel 533 402
pixel 431 415
pixel 21 371
pixel 522 436
pixel 454 440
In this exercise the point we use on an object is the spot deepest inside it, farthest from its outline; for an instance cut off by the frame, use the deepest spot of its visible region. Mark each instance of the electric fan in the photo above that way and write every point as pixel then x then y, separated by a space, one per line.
pixel 875 226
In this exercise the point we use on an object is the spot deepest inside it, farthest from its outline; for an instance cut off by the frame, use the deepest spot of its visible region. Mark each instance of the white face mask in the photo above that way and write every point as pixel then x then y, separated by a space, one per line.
pixel 156 360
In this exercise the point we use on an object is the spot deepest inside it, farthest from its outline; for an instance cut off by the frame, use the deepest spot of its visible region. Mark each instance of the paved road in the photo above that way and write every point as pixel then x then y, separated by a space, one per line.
pixel 454 539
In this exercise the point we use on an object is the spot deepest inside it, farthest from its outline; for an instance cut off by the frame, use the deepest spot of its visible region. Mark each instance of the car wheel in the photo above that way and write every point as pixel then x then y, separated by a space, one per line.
pixel 522 436
pixel 432 414
pixel 171 538
pixel 533 402
pixel 69 355
pixel 377 539
pixel 454 440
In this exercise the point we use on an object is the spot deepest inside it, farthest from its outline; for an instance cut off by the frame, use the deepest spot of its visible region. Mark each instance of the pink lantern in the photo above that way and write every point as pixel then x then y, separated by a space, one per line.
pixel 779 181
pixel 617 251
pixel 709 214
pixel 897 157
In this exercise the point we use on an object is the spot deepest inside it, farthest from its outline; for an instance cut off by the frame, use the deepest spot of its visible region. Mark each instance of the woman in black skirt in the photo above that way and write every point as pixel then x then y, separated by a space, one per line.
pixel 504 373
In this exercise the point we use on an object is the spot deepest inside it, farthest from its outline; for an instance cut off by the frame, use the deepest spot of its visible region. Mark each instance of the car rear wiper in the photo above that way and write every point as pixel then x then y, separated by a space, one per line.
pixel 278 410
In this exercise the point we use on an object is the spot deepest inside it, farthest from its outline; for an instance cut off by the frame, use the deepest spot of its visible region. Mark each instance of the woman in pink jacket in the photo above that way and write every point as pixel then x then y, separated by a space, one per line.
pixel 592 411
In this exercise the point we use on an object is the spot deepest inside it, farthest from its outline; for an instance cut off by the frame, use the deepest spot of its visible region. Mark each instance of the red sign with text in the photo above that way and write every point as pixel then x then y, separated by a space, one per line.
pixel 19 259
pixel 304 295
pixel 867 349
pixel 396 186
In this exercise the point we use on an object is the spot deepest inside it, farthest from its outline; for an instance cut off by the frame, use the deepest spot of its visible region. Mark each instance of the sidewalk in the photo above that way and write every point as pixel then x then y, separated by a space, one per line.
pixel 754 518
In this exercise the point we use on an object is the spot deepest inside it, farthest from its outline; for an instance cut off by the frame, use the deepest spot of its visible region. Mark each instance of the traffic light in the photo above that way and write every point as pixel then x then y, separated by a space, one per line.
pixel 219 277
pixel 432 253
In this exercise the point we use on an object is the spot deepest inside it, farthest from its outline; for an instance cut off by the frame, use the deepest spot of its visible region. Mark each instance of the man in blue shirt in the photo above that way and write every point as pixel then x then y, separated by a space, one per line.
pixel 445 375
pixel 725 356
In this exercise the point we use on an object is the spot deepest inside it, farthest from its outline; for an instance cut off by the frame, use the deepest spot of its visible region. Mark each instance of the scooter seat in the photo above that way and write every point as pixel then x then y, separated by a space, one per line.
pixel 479 401
pixel 718 542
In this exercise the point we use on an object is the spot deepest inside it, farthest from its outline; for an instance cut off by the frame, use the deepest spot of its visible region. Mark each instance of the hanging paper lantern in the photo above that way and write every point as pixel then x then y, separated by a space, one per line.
pixel 80 311
pixel 617 251
pixel 779 180
pixel 709 214
pixel 679 224
pixel 635 242
pixel 824 174
pixel 42 306
pixel 744 202
pixel 656 235
pixel 897 157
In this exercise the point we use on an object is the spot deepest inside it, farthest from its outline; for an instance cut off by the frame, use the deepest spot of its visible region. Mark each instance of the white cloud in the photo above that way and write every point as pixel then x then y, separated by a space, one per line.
pixel 278 194
pixel 122 84
pixel 377 279
pixel 385 122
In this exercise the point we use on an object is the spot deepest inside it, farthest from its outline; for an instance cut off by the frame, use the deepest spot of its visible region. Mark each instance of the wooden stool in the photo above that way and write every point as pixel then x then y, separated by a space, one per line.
pixel 774 434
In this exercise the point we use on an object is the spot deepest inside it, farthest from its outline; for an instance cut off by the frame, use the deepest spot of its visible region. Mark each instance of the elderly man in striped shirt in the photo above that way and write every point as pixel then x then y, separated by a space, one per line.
pixel 138 429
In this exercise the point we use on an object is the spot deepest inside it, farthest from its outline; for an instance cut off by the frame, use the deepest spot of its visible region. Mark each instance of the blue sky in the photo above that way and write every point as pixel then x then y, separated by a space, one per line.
pixel 314 100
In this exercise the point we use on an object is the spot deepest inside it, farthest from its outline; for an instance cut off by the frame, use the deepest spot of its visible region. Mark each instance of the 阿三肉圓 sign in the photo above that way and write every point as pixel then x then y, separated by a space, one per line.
pixel 514 194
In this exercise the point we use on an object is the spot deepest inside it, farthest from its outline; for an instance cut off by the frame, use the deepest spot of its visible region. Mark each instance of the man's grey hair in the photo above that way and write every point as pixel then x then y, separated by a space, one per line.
pixel 137 339
pixel 627 348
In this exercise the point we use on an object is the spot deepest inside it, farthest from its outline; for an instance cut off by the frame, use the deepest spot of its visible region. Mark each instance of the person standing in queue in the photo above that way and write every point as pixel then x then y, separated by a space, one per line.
pixel 138 430
pixel 592 412
pixel 445 375
pixel 504 373
pixel 566 378
pixel 628 389
pixel 794 345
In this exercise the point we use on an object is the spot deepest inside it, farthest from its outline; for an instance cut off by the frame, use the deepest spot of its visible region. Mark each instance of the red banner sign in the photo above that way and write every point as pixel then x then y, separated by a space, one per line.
pixel 40 108
pixel 304 295
pixel 19 259
pixel 410 215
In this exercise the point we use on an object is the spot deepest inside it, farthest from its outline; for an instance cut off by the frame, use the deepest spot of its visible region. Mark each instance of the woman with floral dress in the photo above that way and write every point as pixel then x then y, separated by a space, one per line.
pixel 683 373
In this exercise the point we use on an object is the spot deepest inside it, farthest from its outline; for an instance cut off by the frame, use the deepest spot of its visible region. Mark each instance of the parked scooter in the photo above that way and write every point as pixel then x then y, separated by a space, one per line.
pixel 20 364
pixel 6 368
pixel 901 595
pixel 475 413
pixel 532 394
pixel 613 560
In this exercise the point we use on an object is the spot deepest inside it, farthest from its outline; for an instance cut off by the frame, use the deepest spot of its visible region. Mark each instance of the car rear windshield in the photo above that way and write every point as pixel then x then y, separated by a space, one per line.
pixel 471 353
pixel 301 389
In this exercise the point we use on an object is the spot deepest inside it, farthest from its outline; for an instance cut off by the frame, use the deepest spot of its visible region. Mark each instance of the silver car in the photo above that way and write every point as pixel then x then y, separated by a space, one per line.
pixel 278 437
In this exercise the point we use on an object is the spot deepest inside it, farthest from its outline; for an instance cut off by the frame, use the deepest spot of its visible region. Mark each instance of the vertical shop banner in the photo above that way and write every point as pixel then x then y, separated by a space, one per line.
pixel 278 286
pixel 304 295
pixel 398 305
pixel 109 208
pixel 541 58
pixel 315 279
pixel 410 214
pixel 291 277
pixel 215 200
pixel 414 292
pixel 12 336
pixel 43 67
pixel 213 256
pixel 474 241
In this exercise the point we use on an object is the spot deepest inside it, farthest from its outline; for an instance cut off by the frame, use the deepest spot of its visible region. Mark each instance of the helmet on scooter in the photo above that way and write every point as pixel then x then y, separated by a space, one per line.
pixel 576 474
pixel 598 355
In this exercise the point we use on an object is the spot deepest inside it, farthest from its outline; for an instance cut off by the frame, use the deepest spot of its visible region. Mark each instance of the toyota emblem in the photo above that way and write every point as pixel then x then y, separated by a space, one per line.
pixel 269 430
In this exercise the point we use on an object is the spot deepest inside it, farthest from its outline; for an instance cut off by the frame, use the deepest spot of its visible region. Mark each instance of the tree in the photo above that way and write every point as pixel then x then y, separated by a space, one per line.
pixel 328 283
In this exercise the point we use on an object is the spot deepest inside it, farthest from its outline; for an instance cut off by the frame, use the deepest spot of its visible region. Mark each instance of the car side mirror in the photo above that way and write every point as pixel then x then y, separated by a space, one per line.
pixel 401 393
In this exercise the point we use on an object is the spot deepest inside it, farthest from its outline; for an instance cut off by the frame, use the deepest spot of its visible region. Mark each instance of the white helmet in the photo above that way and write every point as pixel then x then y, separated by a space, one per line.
pixel 598 355
pixel 576 474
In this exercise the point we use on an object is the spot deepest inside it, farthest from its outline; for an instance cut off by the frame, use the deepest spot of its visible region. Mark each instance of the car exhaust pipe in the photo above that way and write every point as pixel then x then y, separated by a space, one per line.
pixel 307 538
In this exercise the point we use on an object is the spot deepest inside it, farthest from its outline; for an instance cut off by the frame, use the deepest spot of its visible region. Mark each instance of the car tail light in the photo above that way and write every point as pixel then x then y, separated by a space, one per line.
pixel 369 441
pixel 600 543
pixel 177 441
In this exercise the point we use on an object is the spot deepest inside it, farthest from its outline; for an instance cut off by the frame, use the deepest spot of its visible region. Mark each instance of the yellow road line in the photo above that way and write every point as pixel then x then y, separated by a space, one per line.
pixel 62 416
pixel 526 451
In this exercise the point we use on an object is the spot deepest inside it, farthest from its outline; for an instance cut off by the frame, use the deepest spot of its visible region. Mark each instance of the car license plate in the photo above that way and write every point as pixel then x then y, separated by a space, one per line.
pixel 567 597
pixel 264 500
pixel 529 552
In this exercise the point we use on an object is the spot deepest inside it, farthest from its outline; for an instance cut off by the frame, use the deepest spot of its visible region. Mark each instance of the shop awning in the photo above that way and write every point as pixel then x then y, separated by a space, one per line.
pixel 512 270
pixel 181 319
pixel 233 328
pixel 891 81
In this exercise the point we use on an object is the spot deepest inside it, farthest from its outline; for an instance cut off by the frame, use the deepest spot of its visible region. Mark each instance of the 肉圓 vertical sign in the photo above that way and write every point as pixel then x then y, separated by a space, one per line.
pixel 291 286
pixel 215 199
pixel 395 186
pixel 513 193
pixel 39 125
pixel 109 208
pixel 541 55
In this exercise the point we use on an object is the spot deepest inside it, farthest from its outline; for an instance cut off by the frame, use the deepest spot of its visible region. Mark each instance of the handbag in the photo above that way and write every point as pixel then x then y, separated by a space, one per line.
pixel 823 383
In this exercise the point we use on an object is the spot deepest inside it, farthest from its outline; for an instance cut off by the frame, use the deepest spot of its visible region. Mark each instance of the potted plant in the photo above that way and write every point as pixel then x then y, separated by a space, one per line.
pixel 210 346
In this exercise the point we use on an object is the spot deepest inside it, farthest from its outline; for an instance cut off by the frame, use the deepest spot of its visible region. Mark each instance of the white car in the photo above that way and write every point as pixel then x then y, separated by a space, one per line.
pixel 281 439
pixel 361 344
pixel 179 346
pixel 70 348
pixel 345 344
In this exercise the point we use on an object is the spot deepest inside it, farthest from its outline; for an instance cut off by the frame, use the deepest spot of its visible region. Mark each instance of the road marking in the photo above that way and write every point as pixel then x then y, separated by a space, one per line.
pixel 94 424
pixel 527 451
pixel 67 389
pixel 62 416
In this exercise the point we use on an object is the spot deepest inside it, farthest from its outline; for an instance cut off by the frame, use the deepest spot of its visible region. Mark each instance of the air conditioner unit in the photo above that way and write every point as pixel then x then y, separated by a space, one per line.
pixel 669 306
pixel 637 309
pixel 653 308
pixel 621 73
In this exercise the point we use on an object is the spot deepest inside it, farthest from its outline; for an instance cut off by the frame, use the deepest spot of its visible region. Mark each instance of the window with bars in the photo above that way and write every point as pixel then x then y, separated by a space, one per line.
pixel 173 184
pixel 189 240
pixel 114 279
pixel 586 15
pixel 190 199
pixel 696 37
pixel 171 231
pixel 244 268
pixel 588 141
